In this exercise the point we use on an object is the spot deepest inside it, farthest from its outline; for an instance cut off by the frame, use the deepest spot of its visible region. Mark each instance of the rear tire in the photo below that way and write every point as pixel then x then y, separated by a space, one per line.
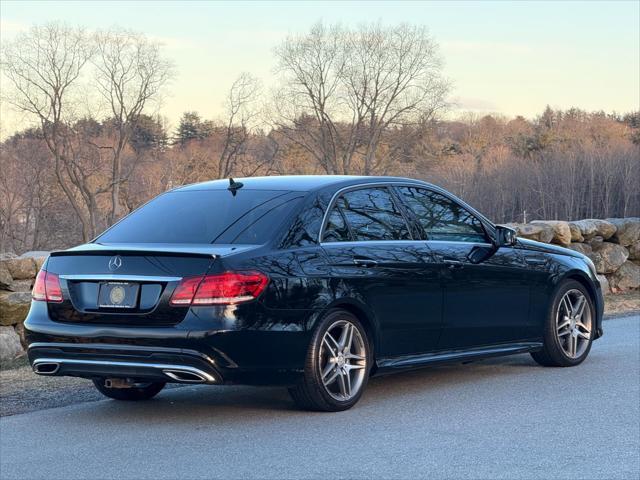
pixel 569 327
pixel 137 393
pixel 337 364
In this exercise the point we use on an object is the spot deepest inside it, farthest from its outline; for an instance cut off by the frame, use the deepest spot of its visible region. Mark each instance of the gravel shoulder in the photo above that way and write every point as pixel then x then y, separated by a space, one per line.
pixel 622 304
pixel 23 391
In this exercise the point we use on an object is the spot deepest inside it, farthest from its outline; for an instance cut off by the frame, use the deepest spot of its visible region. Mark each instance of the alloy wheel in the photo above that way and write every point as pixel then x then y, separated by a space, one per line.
pixel 573 323
pixel 342 360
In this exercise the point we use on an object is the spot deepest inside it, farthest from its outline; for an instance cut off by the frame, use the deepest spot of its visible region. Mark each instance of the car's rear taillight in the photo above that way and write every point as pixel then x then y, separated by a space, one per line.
pixel 47 288
pixel 185 291
pixel 226 288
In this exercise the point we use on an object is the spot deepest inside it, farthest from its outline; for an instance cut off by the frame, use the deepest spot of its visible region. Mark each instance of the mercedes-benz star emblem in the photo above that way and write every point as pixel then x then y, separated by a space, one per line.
pixel 115 262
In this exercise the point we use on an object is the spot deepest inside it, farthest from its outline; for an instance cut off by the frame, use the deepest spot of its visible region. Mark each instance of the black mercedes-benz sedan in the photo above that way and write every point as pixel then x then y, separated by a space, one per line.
pixel 311 282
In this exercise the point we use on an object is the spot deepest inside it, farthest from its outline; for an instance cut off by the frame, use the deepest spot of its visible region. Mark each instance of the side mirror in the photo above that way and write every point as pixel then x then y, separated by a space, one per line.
pixel 505 236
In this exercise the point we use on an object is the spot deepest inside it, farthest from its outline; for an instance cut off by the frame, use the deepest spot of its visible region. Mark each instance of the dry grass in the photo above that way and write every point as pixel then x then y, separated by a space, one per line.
pixel 622 303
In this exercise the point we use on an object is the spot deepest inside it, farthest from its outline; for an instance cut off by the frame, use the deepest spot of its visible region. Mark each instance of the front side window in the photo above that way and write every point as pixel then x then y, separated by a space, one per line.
pixel 370 214
pixel 442 218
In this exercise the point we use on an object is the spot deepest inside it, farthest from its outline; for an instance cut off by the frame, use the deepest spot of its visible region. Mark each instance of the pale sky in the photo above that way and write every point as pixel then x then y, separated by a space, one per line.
pixel 511 58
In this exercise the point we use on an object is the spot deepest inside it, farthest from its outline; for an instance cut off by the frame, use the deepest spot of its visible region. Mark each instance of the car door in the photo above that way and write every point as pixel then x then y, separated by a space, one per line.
pixel 374 257
pixel 486 300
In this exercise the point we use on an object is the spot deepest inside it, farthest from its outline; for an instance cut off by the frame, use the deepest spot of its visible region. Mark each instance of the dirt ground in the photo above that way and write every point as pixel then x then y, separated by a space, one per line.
pixel 622 303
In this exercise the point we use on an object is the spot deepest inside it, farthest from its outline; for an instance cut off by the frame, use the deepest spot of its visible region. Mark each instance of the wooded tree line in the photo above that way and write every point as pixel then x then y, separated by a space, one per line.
pixel 348 101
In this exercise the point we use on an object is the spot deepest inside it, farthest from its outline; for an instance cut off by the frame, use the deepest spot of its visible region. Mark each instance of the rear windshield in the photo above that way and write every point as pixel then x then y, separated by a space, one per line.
pixel 205 216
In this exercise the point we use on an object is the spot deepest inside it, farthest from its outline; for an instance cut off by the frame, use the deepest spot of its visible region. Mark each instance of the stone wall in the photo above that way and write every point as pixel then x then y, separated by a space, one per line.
pixel 17 275
pixel 612 244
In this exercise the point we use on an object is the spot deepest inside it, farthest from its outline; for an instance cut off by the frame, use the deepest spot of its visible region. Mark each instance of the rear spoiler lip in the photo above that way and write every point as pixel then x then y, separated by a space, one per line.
pixel 165 250
pixel 125 252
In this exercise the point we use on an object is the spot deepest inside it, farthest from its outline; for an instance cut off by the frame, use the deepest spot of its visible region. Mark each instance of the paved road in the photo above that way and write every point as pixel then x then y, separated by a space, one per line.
pixel 505 418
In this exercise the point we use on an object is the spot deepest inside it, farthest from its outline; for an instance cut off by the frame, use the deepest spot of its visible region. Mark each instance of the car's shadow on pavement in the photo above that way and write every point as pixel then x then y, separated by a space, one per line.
pixel 224 404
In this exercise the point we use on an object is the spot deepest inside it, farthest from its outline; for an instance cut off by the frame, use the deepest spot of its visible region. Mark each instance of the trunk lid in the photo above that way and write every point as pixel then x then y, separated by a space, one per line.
pixel 128 284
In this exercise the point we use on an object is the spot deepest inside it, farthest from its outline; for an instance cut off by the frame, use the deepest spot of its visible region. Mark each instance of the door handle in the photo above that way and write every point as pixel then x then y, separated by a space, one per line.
pixel 364 262
pixel 451 263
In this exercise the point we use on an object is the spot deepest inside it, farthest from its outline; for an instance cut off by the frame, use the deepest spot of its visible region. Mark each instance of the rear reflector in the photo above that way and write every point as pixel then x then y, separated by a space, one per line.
pixel 47 288
pixel 226 288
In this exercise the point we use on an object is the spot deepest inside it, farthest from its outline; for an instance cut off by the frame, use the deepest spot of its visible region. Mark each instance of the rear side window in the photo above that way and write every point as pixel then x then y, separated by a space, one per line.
pixel 205 216
pixel 370 214
pixel 442 218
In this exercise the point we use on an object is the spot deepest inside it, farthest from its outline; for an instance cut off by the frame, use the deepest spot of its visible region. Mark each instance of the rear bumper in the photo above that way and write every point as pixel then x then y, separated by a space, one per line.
pixel 97 360
pixel 202 349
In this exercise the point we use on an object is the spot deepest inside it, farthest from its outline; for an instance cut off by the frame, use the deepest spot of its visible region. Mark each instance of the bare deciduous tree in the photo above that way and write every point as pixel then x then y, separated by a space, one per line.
pixel 43 66
pixel 342 89
pixel 241 109
pixel 306 105
pixel 130 73
pixel 393 78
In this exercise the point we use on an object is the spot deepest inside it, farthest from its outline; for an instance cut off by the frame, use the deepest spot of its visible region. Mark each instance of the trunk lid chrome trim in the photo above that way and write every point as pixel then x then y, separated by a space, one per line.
pixel 114 277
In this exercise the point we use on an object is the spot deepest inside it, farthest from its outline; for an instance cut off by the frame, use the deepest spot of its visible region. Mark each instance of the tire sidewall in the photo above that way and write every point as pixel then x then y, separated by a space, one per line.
pixel 551 337
pixel 316 343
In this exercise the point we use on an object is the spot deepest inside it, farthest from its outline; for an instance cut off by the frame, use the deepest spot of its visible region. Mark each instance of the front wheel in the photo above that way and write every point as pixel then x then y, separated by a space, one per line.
pixel 136 392
pixel 337 364
pixel 569 328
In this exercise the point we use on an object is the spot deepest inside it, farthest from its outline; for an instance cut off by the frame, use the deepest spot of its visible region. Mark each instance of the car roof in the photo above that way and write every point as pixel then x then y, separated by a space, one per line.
pixel 298 183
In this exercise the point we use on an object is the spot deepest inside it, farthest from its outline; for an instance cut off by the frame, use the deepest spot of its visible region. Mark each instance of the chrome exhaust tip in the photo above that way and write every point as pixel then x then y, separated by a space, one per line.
pixel 184 376
pixel 46 368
